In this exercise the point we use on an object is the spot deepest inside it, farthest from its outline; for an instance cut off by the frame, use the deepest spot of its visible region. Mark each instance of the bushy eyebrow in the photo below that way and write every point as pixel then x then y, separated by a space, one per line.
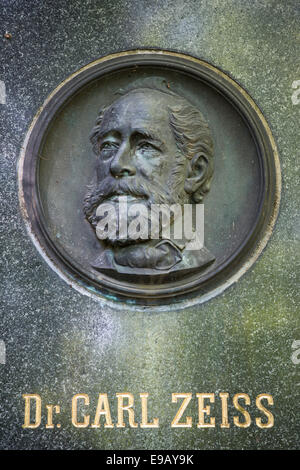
pixel 145 134
pixel 136 133
pixel 103 135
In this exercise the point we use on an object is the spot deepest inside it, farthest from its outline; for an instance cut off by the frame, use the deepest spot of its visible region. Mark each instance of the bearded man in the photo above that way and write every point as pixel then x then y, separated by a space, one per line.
pixel 154 148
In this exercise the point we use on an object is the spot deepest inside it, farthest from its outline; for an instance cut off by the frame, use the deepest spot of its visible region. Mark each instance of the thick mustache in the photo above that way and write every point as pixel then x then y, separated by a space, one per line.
pixel 113 187
pixel 110 188
pixel 117 187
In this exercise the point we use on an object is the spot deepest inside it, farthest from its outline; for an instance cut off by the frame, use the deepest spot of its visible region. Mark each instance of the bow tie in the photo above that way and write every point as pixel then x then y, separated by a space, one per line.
pixel 163 256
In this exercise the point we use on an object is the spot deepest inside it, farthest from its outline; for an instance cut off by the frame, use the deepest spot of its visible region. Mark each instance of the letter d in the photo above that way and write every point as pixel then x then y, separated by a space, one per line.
pixel 38 414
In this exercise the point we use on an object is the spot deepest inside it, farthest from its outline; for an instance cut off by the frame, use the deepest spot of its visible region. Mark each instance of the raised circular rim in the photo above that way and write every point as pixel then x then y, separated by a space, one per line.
pixel 111 289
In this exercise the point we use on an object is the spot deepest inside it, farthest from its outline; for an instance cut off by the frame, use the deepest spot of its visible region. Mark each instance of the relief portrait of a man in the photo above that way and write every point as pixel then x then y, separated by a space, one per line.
pixel 155 148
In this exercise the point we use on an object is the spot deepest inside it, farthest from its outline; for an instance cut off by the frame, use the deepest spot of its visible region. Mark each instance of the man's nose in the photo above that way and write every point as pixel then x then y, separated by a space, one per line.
pixel 122 164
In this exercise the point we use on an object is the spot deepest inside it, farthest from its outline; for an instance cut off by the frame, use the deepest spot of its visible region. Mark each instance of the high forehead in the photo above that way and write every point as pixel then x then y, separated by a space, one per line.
pixel 141 108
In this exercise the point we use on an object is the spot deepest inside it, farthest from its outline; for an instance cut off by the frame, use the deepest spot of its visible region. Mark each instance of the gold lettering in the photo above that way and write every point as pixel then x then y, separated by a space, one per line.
pixel 50 408
pixel 28 397
pixel 270 422
pixel 86 420
pixel 245 413
pixel 144 403
pixel 122 408
pixel 186 399
pixel 205 410
pixel 224 400
pixel 102 409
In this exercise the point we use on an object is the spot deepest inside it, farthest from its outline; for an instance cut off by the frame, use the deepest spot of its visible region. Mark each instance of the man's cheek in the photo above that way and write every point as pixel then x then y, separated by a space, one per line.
pixel 150 168
pixel 102 169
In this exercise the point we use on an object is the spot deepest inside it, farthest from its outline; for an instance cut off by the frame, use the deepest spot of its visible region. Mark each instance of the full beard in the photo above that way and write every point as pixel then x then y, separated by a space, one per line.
pixel 141 192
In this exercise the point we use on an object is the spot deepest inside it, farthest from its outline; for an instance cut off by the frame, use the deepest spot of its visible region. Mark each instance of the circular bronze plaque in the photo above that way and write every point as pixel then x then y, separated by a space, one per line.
pixel 149 128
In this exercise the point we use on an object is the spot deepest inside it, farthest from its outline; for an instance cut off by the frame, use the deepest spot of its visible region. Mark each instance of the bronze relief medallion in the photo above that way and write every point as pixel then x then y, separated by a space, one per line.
pixel 149 177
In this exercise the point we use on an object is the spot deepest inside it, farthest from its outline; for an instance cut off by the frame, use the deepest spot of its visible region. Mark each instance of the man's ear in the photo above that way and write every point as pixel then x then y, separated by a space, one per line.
pixel 197 172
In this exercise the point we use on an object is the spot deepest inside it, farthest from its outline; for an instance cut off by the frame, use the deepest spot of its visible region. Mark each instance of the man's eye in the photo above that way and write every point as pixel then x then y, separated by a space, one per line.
pixel 109 146
pixel 145 146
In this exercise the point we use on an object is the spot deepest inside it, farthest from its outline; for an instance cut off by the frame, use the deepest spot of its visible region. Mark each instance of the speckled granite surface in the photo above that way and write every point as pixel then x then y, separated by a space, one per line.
pixel 59 342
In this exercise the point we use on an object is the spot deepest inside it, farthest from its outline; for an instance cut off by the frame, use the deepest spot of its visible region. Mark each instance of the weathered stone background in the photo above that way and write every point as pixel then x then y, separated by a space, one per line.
pixel 59 342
